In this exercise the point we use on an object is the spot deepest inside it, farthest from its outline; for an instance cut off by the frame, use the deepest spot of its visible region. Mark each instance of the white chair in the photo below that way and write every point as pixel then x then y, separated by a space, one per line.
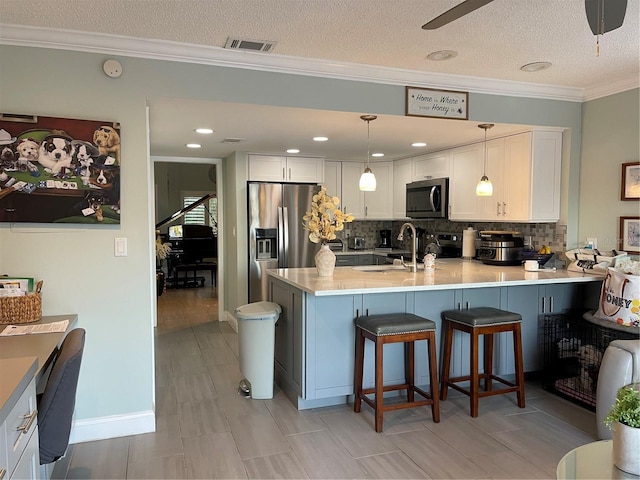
pixel 620 366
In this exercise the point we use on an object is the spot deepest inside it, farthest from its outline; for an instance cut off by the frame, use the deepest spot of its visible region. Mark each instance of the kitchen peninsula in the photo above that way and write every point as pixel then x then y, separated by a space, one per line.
pixel 315 335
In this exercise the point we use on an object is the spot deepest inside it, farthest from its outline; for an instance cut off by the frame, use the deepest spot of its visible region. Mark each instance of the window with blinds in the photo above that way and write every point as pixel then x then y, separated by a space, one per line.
pixel 199 215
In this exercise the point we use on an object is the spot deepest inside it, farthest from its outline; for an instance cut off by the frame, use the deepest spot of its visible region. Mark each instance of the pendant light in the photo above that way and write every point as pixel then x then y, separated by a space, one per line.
pixel 368 179
pixel 484 187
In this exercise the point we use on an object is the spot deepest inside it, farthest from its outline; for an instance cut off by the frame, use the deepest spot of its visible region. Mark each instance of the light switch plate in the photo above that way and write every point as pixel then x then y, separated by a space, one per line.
pixel 120 247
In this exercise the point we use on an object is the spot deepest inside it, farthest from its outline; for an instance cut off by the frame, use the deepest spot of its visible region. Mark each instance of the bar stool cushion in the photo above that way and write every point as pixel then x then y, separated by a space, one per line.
pixel 394 324
pixel 482 316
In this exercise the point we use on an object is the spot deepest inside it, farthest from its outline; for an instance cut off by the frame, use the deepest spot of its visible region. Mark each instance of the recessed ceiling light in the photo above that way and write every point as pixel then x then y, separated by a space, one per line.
pixel 204 131
pixel 377 154
pixel 193 145
pixel 535 66
pixel 419 144
pixel 320 139
pixel 441 55
pixel 293 150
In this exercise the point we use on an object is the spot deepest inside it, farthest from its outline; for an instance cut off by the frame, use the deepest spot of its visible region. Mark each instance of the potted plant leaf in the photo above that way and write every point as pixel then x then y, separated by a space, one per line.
pixel 624 420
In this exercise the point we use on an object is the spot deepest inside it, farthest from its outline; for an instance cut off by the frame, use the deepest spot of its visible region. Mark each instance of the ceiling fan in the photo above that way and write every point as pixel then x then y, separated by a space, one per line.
pixel 602 15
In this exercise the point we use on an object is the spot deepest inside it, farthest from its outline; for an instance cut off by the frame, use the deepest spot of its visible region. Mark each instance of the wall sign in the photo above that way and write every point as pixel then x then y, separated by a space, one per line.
pixel 425 102
pixel 59 170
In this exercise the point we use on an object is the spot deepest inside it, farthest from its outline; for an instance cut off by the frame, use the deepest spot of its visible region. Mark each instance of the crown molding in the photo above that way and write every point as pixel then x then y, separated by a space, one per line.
pixel 19 35
pixel 611 88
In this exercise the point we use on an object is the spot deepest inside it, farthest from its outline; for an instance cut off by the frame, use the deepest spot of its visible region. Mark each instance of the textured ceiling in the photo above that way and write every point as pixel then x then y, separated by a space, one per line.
pixel 492 42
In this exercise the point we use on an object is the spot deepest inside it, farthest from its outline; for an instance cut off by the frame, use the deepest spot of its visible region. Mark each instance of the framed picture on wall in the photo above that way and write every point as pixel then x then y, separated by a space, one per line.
pixel 629 240
pixel 630 185
pixel 59 170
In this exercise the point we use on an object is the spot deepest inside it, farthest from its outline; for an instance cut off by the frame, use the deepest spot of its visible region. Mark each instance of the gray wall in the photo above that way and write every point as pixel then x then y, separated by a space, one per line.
pixel 610 137
pixel 116 383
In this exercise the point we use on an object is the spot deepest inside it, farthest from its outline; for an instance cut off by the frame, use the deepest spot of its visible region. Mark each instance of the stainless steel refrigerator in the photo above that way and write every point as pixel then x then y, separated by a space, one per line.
pixel 276 236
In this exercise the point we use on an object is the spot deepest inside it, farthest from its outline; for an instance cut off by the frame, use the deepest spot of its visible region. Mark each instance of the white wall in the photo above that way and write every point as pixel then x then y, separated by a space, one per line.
pixel 115 297
pixel 610 137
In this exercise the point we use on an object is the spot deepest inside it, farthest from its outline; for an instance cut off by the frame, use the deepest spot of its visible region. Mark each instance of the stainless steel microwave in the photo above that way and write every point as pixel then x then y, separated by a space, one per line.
pixel 428 198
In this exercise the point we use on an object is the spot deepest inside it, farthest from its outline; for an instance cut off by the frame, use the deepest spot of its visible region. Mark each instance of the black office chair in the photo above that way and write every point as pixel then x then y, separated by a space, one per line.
pixel 55 406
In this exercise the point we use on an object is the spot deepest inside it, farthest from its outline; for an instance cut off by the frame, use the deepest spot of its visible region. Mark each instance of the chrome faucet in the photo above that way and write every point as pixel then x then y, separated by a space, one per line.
pixel 413 266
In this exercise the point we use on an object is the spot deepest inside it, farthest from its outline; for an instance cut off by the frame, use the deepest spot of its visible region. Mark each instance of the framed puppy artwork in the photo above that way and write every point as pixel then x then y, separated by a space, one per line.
pixel 59 170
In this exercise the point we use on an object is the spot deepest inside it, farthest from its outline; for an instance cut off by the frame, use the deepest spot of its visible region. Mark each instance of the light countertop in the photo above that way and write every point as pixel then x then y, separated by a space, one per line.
pixel 450 273
pixel 16 373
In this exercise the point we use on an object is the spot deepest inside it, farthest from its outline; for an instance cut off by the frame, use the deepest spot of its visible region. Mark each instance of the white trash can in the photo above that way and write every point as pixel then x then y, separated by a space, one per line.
pixel 256 342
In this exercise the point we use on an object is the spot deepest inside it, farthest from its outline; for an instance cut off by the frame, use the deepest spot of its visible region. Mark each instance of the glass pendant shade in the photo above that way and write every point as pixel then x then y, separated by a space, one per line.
pixel 368 181
pixel 484 187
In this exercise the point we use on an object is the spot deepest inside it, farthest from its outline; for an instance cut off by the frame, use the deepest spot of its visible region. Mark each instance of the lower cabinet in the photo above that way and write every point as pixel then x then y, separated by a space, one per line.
pixel 20 434
pixel 315 335
pixel 351 260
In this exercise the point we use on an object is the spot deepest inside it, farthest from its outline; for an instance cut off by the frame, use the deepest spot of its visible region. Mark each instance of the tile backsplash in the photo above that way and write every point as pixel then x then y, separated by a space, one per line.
pixel 552 234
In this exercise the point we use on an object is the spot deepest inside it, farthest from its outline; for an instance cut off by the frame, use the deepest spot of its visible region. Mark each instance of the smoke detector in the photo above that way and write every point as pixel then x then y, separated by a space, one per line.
pixel 232 140
pixel 235 43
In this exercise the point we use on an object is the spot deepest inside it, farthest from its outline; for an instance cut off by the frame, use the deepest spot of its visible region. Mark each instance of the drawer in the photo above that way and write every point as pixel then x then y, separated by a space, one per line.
pixel 28 466
pixel 23 415
pixel 346 260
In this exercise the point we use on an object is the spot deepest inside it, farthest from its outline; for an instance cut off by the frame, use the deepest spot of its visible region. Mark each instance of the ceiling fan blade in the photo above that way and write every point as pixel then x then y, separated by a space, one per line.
pixel 456 12
pixel 605 15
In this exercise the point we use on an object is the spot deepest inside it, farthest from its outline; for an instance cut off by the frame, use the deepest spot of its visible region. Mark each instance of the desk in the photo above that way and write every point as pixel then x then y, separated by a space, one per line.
pixel 590 461
pixel 42 345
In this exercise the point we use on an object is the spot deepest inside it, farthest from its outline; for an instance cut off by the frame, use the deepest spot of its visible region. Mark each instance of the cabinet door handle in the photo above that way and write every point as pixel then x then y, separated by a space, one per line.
pixel 289 174
pixel 550 304
pixel 367 314
pixel 357 313
pixel 468 305
pixel 544 304
pixel 498 209
pixel 3 472
pixel 283 177
pixel 366 211
pixel 504 208
pixel 31 418
pixel 459 306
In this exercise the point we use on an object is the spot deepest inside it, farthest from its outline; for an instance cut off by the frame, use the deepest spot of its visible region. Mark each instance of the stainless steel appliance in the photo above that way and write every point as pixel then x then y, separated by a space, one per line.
pixel 276 236
pixel 498 247
pixel 356 243
pixel 428 198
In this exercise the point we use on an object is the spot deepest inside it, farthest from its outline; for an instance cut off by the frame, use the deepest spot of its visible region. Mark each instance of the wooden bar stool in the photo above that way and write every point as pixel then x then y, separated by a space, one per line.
pixel 395 328
pixel 482 321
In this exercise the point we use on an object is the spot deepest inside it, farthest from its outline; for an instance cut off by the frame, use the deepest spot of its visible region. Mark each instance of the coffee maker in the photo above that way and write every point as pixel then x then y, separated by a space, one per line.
pixel 385 238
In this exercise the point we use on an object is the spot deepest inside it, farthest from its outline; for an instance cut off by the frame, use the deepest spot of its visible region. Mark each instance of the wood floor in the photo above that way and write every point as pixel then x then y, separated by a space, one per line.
pixel 206 430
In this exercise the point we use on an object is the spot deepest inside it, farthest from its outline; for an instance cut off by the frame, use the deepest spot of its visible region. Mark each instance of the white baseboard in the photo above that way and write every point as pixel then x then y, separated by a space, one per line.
pixel 231 320
pixel 112 426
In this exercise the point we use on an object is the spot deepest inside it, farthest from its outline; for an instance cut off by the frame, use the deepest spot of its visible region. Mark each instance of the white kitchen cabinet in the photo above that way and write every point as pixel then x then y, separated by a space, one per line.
pixel 402 174
pixel 377 205
pixel 352 199
pixel 432 165
pixel 274 168
pixel 525 172
pixel 333 177
pixel 466 171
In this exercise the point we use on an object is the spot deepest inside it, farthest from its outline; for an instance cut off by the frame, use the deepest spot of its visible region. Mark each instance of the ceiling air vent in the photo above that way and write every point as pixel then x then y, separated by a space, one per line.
pixel 250 45
pixel 232 140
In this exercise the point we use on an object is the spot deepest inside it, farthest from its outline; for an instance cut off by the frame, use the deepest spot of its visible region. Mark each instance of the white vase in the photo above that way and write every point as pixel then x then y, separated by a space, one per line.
pixel 325 261
pixel 626 448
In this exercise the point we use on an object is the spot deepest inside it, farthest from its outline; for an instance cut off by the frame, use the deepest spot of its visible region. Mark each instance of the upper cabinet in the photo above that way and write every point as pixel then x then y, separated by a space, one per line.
pixel 432 165
pixel 274 168
pixel 343 180
pixel 402 174
pixel 525 171
pixel 466 170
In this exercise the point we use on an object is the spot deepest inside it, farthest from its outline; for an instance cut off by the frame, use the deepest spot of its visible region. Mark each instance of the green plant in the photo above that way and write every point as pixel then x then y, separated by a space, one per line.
pixel 626 410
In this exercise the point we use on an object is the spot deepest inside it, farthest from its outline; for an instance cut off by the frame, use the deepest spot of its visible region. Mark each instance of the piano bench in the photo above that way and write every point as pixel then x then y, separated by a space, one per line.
pixel 193 268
